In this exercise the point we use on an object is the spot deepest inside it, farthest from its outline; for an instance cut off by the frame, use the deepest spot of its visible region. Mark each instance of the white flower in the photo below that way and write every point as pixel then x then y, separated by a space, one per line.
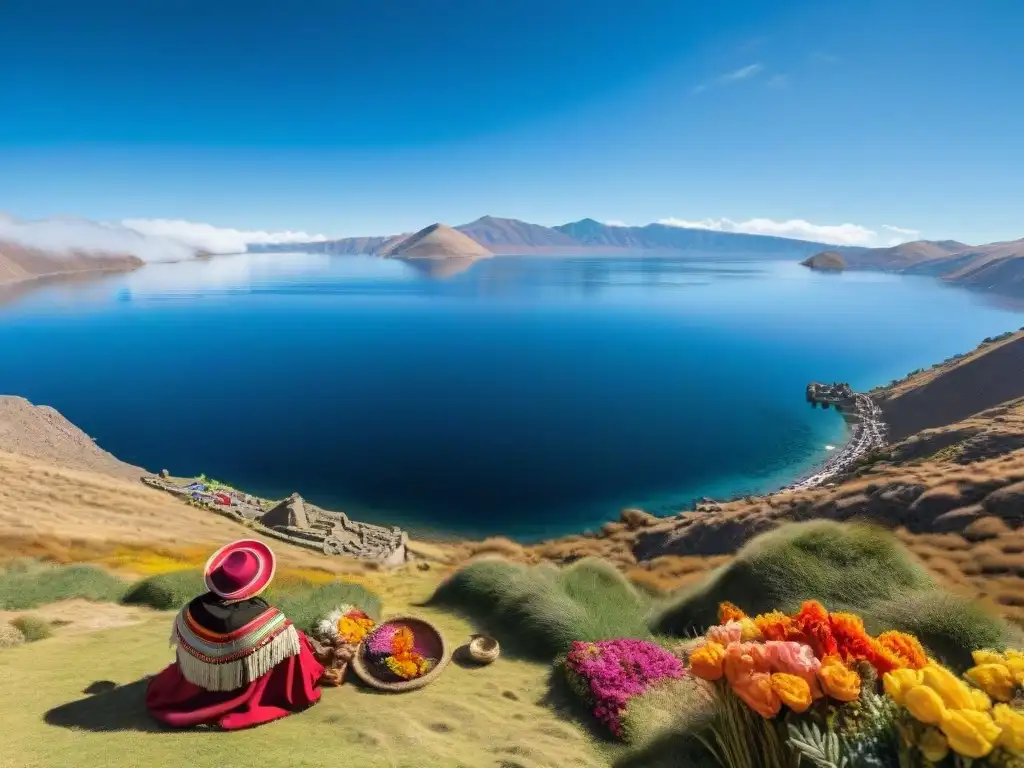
pixel 328 627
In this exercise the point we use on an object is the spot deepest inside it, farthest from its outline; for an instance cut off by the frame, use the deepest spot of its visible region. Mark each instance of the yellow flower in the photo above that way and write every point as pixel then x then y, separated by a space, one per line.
pixel 954 691
pixel 933 745
pixel 794 691
pixel 993 679
pixel 899 681
pixel 971 734
pixel 749 630
pixel 838 681
pixel 706 661
pixel 987 657
pixel 1012 723
pixel 982 702
pixel 1016 667
pixel 925 705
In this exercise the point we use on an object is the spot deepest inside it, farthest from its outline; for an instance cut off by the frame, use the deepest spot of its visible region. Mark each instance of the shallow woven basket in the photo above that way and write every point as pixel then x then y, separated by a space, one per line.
pixel 429 641
pixel 483 649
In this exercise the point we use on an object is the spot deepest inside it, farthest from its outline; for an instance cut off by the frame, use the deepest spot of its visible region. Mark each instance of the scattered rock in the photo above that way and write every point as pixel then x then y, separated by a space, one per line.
pixel 423 566
pixel 164 474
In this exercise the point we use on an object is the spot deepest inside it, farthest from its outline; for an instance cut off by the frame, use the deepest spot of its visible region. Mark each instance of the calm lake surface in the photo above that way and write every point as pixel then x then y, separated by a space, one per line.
pixel 522 396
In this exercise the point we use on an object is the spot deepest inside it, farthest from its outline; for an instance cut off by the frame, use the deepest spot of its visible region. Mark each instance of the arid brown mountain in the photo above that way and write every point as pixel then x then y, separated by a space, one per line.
pixel 827 261
pixel 19 263
pixel 515 237
pixel 438 241
pixel 663 238
pixel 997 267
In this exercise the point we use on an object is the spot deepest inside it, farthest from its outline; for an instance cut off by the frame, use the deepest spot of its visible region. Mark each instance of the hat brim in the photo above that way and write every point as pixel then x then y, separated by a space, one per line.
pixel 259 582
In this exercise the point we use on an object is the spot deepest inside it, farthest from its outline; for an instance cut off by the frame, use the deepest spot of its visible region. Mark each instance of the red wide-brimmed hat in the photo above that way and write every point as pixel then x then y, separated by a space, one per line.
pixel 240 570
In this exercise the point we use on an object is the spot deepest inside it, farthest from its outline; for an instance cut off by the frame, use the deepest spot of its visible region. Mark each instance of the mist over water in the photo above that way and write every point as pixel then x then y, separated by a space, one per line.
pixel 523 396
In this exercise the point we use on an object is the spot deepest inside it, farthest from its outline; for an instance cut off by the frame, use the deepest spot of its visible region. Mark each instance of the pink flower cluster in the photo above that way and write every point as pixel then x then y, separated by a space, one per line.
pixel 381 642
pixel 617 670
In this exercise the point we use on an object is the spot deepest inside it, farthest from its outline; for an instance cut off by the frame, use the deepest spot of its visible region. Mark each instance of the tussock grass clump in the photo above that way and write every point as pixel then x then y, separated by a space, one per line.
pixel 167 591
pixel 26 584
pixel 949 626
pixel 842 565
pixel 848 567
pixel 33 627
pixel 538 611
pixel 305 605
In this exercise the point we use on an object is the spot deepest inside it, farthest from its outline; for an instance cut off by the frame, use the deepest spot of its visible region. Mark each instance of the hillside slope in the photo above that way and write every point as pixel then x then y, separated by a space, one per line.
pixel 990 375
pixel 514 237
pixel 40 432
pixel 438 241
pixel 19 263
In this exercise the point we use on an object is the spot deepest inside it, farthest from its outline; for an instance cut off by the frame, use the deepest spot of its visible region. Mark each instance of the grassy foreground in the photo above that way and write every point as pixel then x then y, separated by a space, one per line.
pixel 78 698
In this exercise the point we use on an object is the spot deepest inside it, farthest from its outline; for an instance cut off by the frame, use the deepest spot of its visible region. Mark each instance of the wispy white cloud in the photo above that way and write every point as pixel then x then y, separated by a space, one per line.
pixel 743 73
pixel 616 223
pixel 798 229
pixel 213 239
pixel 778 81
pixel 902 230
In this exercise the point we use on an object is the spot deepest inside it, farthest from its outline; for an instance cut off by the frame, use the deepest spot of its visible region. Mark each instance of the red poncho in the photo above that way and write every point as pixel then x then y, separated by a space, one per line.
pixel 238 665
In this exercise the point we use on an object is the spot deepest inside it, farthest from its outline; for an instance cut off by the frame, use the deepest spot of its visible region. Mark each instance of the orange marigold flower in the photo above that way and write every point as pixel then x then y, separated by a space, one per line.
pixel 707 661
pixel 907 647
pixel 729 612
pixel 852 641
pixel 774 625
pixel 837 680
pixel 812 621
pixel 403 641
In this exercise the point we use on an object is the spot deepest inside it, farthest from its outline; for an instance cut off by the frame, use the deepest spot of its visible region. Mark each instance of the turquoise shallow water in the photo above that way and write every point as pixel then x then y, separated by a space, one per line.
pixel 523 396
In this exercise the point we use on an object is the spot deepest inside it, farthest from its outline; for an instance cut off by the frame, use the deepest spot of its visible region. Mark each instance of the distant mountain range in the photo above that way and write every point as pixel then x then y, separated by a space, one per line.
pixel 511 237
pixel 997 267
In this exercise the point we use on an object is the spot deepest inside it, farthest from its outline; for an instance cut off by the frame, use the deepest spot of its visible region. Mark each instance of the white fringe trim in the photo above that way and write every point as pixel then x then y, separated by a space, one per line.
pixel 235 674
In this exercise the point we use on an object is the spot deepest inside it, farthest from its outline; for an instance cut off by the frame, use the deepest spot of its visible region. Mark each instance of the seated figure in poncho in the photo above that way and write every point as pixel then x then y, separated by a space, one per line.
pixel 240 662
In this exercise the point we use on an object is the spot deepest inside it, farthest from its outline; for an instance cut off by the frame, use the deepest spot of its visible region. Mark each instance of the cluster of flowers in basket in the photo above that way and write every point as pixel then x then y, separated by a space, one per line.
pixel 818 685
pixel 347 624
pixel 609 673
pixel 393 647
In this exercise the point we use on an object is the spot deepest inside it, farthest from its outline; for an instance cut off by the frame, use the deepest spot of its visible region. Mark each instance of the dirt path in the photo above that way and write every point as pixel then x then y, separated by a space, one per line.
pixel 77 615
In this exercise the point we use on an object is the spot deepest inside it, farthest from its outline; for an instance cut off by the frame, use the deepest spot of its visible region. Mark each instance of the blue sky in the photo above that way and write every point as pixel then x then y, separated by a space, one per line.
pixel 347 118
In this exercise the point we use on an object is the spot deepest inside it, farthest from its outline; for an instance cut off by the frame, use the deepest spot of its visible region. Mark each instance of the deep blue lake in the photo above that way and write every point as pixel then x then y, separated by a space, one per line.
pixel 524 396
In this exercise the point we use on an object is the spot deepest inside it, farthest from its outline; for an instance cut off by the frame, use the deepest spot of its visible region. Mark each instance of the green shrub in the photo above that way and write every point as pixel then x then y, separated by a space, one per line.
pixel 26 584
pixel 33 627
pixel 167 591
pixel 305 606
pixel 844 566
pixel 538 611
